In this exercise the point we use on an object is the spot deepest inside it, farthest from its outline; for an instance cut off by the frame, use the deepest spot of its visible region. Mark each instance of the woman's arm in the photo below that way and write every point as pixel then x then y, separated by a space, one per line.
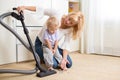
pixel 65 46
pixel 30 8
pixel 40 10
pixel 65 53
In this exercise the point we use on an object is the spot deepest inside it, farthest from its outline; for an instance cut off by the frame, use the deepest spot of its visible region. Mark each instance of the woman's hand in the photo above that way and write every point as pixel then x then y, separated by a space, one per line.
pixel 20 8
pixel 63 64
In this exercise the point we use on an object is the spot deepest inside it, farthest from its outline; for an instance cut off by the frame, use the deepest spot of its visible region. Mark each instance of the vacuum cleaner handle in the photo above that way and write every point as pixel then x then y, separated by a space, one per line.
pixel 14 8
pixel 21 16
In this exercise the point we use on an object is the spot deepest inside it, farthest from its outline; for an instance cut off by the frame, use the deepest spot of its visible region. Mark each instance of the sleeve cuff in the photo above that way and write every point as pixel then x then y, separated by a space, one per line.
pixel 39 12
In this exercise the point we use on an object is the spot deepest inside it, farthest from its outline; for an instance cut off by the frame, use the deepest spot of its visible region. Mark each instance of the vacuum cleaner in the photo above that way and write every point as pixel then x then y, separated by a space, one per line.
pixel 39 70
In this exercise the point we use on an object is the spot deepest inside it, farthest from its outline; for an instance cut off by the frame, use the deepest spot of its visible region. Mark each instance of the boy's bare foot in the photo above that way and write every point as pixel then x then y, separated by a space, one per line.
pixel 50 68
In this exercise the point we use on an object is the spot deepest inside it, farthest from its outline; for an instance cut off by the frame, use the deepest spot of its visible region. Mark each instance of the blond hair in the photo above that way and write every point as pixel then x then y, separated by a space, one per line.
pixel 52 22
pixel 78 18
pixel 77 29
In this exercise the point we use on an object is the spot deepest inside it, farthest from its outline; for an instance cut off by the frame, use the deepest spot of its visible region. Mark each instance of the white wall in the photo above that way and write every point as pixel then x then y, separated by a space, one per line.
pixel 31 19
pixel 11 50
pixel 7 40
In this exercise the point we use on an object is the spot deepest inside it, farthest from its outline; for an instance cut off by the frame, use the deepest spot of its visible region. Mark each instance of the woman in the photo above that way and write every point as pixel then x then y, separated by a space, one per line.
pixel 71 26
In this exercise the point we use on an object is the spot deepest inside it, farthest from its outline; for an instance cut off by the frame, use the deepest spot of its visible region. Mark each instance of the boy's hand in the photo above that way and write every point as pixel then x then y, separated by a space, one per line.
pixel 53 51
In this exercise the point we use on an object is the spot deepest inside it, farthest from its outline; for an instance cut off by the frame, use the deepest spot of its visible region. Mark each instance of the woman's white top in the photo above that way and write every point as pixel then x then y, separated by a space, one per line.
pixel 66 33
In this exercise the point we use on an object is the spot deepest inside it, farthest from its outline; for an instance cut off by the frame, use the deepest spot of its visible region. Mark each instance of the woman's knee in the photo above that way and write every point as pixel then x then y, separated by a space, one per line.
pixel 69 65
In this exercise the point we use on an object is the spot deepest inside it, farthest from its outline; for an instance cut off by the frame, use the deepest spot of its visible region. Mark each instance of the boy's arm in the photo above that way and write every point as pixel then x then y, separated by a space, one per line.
pixel 48 44
pixel 46 39
pixel 56 45
pixel 56 42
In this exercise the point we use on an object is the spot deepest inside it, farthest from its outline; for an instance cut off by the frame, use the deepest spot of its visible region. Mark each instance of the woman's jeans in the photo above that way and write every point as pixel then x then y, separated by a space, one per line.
pixel 39 50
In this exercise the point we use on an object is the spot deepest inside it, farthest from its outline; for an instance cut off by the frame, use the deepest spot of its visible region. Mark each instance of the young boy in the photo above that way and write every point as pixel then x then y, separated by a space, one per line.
pixel 50 45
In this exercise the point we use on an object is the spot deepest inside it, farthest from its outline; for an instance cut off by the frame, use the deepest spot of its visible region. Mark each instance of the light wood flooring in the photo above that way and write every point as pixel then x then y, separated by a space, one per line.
pixel 85 67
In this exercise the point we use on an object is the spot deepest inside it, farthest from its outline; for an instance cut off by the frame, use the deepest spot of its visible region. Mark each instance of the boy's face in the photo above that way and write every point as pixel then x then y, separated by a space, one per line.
pixel 52 29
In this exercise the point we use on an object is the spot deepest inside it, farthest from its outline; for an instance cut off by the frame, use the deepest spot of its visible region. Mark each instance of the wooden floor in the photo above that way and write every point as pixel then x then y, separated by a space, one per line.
pixel 85 67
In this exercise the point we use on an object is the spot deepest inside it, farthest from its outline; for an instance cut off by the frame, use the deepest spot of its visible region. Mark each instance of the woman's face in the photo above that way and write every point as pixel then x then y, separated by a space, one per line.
pixel 70 20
